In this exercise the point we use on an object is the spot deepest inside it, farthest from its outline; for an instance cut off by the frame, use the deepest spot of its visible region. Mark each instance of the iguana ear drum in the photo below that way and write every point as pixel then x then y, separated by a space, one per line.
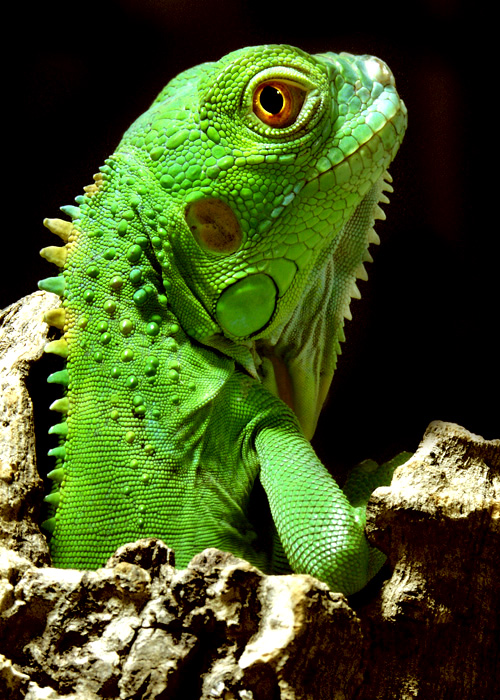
pixel 214 226
pixel 247 306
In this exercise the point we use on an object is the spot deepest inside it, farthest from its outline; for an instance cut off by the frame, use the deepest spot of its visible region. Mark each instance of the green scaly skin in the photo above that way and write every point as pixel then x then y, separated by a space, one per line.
pixel 206 277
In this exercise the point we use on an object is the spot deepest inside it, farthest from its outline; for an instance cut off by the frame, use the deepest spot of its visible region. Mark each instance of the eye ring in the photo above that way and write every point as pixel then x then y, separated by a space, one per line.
pixel 278 103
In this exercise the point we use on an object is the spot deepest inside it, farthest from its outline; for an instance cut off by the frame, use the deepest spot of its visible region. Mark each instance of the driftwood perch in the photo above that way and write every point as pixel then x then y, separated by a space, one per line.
pixel 220 628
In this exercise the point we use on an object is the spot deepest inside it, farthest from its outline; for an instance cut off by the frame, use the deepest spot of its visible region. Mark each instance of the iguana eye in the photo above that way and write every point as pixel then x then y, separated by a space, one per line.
pixel 277 103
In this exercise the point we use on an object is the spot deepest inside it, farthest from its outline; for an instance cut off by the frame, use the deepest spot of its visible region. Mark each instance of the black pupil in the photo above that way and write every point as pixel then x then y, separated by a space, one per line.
pixel 271 100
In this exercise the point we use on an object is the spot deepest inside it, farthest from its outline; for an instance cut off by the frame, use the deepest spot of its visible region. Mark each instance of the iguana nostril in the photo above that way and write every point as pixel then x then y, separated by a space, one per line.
pixel 379 71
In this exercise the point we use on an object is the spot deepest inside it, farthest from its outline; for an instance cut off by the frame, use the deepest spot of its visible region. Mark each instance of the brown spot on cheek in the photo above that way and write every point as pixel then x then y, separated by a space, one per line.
pixel 214 226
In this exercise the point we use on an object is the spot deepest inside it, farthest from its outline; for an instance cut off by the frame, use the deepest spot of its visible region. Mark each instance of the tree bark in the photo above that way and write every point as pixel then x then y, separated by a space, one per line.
pixel 220 628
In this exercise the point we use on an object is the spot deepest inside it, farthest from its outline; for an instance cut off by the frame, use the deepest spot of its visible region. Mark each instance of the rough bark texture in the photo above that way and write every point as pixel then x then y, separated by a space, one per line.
pixel 220 628
pixel 23 335
pixel 437 631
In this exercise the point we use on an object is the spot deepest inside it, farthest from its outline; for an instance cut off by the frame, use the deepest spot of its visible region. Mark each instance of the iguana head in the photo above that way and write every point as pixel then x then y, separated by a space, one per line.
pixel 269 166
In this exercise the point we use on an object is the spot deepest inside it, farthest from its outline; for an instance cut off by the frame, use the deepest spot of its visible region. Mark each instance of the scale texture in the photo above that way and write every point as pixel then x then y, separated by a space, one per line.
pixel 205 279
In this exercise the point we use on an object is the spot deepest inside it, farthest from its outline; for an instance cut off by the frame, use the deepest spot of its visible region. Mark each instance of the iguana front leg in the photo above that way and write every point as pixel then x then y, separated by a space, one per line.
pixel 321 527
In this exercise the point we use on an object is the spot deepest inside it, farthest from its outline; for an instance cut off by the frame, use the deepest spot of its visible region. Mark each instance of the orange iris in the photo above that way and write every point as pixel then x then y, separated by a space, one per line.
pixel 277 103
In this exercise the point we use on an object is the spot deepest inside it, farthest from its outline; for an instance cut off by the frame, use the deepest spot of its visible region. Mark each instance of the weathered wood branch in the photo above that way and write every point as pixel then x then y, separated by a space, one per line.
pixel 220 628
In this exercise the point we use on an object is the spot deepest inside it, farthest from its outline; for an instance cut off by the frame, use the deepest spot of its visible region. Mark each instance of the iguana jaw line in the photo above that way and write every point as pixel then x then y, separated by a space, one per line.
pixel 296 361
pixel 301 362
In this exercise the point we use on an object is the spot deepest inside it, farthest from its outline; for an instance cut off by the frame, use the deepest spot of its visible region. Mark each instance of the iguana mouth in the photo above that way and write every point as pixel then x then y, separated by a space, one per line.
pixel 299 366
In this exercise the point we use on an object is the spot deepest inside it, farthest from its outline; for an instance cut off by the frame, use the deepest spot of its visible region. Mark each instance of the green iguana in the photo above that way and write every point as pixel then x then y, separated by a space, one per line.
pixel 205 280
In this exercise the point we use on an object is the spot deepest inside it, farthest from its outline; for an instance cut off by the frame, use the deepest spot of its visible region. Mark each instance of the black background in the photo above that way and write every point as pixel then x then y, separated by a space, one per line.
pixel 423 343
